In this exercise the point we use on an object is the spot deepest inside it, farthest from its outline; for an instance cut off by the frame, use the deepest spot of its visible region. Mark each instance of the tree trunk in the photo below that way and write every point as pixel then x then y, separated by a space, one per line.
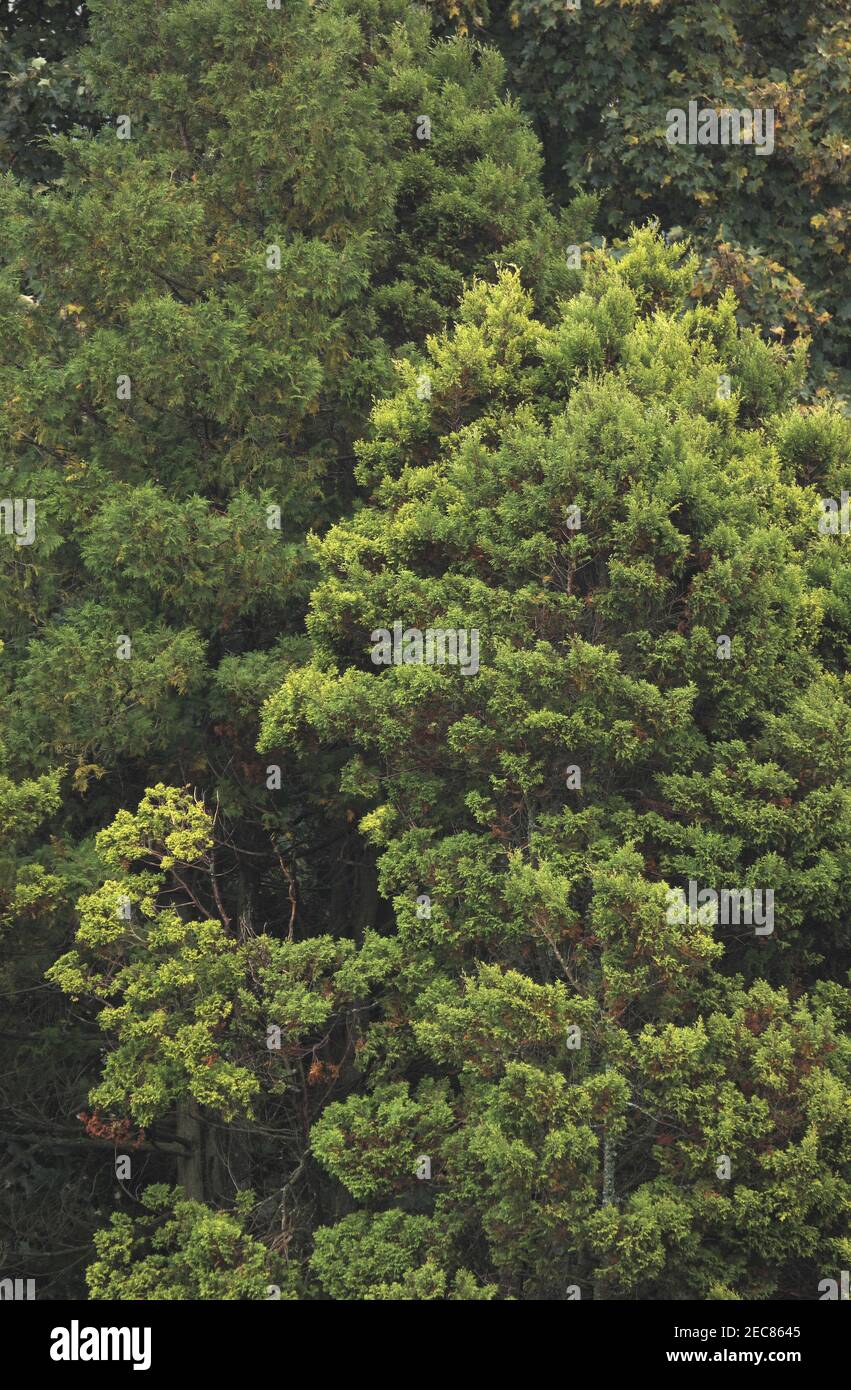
pixel 608 1199
pixel 190 1166
pixel 609 1195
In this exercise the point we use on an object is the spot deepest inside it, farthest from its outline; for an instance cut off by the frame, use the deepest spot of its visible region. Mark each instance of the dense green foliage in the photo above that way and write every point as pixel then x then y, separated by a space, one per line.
pixel 599 78
pixel 179 1249
pixel 331 979
pixel 245 386
pixel 547 905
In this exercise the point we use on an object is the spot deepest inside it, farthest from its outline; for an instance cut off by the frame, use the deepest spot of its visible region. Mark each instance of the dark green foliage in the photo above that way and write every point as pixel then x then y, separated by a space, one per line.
pixel 163 596
pixel 43 86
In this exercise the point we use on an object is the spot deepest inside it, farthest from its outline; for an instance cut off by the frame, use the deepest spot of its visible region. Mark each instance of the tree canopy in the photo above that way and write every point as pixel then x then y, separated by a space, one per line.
pixel 424 637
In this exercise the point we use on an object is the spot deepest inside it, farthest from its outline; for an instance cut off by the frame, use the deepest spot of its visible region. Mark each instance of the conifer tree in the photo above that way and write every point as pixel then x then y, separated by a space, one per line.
pixel 424 783
pixel 618 1094
pixel 196 314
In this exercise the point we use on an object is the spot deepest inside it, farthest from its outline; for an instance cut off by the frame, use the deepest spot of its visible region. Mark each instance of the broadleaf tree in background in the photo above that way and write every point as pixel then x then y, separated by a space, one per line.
pixel 43 87
pixel 599 79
